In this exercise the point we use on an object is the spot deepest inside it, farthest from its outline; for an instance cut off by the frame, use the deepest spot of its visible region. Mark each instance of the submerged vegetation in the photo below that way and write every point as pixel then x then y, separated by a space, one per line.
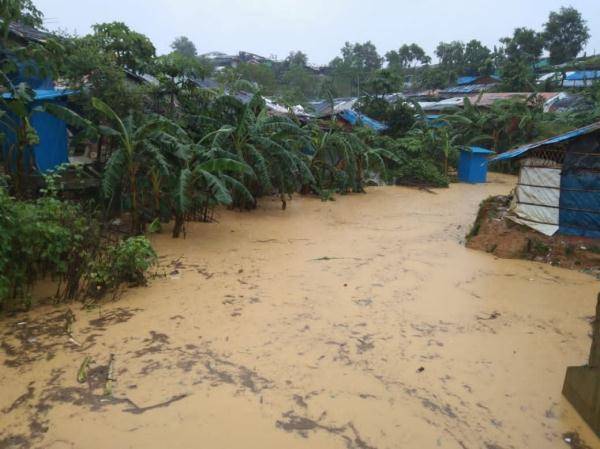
pixel 169 150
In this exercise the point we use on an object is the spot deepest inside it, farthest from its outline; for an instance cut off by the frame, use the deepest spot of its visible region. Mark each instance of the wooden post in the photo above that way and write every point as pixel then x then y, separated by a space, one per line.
pixel 595 352
pixel 582 384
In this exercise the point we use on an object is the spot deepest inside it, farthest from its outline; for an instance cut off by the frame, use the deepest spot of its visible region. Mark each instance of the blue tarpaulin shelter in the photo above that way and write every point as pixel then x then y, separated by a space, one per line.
pixel 353 117
pixel 52 150
pixel 473 165
pixel 559 183
pixel 479 79
pixel 581 78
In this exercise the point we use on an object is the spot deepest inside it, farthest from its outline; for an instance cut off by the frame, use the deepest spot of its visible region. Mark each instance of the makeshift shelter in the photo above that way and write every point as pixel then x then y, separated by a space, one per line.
pixel 53 149
pixel 582 78
pixel 559 183
pixel 466 85
pixel 354 118
pixel 477 80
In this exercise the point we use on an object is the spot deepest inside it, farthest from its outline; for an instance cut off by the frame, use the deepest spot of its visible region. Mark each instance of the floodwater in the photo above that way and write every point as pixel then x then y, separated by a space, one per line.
pixel 362 323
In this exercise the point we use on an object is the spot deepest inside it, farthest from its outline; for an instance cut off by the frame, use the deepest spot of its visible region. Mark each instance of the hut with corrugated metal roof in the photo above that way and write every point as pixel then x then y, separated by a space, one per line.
pixel 559 183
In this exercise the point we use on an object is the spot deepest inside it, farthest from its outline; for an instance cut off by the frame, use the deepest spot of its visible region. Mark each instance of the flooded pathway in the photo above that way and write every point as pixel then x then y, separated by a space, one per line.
pixel 362 323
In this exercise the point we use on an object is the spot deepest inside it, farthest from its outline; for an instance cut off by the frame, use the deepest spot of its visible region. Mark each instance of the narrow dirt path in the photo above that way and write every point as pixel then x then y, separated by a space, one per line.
pixel 362 323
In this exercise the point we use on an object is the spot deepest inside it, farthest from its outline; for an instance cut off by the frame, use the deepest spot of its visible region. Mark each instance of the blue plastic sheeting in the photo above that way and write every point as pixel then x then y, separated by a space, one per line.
pixel 581 199
pixel 354 117
pixel 578 232
pixel 580 194
pixel 433 120
pixel 585 180
pixel 584 75
pixel 479 150
pixel 44 94
pixel 472 165
pixel 581 223
pixel 52 150
pixel 517 152
pixel 30 74
pixel 462 80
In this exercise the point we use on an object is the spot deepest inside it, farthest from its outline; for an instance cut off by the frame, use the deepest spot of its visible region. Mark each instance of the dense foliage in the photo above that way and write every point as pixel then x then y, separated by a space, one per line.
pixel 50 239
pixel 168 149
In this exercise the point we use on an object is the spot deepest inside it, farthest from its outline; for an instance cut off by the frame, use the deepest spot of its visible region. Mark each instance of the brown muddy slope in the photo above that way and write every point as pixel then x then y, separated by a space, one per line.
pixel 362 323
pixel 495 233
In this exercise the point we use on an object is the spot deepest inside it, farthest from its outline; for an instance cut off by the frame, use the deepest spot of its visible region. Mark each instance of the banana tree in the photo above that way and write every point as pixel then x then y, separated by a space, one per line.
pixel 17 111
pixel 138 158
pixel 272 146
pixel 205 179
pixel 331 162
pixel 367 159
pixel 449 147
pixel 15 117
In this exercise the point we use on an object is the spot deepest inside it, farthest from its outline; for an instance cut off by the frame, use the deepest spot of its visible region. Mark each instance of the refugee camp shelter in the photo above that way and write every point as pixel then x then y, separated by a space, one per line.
pixel 480 79
pixel 354 118
pixel 582 78
pixel 53 149
pixel 473 165
pixel 471 85
pixel 559 183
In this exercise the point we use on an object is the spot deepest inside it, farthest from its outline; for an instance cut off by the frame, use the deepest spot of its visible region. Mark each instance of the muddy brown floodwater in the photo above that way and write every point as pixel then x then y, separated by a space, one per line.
pixel 362 323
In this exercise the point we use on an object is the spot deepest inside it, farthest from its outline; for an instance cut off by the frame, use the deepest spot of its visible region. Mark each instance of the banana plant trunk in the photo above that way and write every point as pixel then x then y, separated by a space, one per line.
pixel 135 219
pixel 179 225
pixel 19 171
pixel 360 175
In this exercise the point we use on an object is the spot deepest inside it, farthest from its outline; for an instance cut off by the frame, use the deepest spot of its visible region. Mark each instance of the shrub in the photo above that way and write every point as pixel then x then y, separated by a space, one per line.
pixel 53 239
pixel 420 172
pixel 127 261
pixel 43 238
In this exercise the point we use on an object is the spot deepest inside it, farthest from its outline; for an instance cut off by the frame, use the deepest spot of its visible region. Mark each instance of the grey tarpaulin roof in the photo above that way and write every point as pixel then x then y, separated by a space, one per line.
pixel 28 33
pixel 323 108
pixel 467 89
pixel 517 152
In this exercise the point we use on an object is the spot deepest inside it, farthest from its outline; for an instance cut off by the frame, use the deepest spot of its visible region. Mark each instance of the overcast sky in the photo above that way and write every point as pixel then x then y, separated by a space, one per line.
pixel 317 27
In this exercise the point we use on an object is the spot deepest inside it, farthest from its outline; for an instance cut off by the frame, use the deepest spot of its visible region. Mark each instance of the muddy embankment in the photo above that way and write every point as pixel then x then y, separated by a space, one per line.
pixel 361 323
pixel 496 234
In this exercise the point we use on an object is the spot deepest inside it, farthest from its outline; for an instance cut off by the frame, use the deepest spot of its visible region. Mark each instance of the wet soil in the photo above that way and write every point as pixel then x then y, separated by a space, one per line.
pixel 495 233
pixel 363 323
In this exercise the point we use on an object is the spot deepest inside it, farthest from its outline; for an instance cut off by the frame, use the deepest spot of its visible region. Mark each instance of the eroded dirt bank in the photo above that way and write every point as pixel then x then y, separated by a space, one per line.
pixel 358 324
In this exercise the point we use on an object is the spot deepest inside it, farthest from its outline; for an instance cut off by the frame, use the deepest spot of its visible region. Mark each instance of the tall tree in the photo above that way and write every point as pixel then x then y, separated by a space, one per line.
pixel 297 58
pixel 406 56
pixel 261 74
pixel 184 46
pixel 525 45
pixel 477 59
pixel 22 11
pixel 129 48
pixel 383 82
pixel 451 54
pixel 517 76
pixel 435 77
pixel 520 53
pixel 363 57
pixel 565 34
pixel 357 63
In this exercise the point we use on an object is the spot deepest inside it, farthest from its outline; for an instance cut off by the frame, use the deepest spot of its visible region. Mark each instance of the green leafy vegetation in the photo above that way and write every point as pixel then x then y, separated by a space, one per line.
pixel 60 241
pixel 125 262
pixel 169 150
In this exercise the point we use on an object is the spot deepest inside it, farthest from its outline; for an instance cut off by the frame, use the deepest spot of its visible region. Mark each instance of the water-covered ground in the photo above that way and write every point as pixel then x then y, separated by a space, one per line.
pixel 362 323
